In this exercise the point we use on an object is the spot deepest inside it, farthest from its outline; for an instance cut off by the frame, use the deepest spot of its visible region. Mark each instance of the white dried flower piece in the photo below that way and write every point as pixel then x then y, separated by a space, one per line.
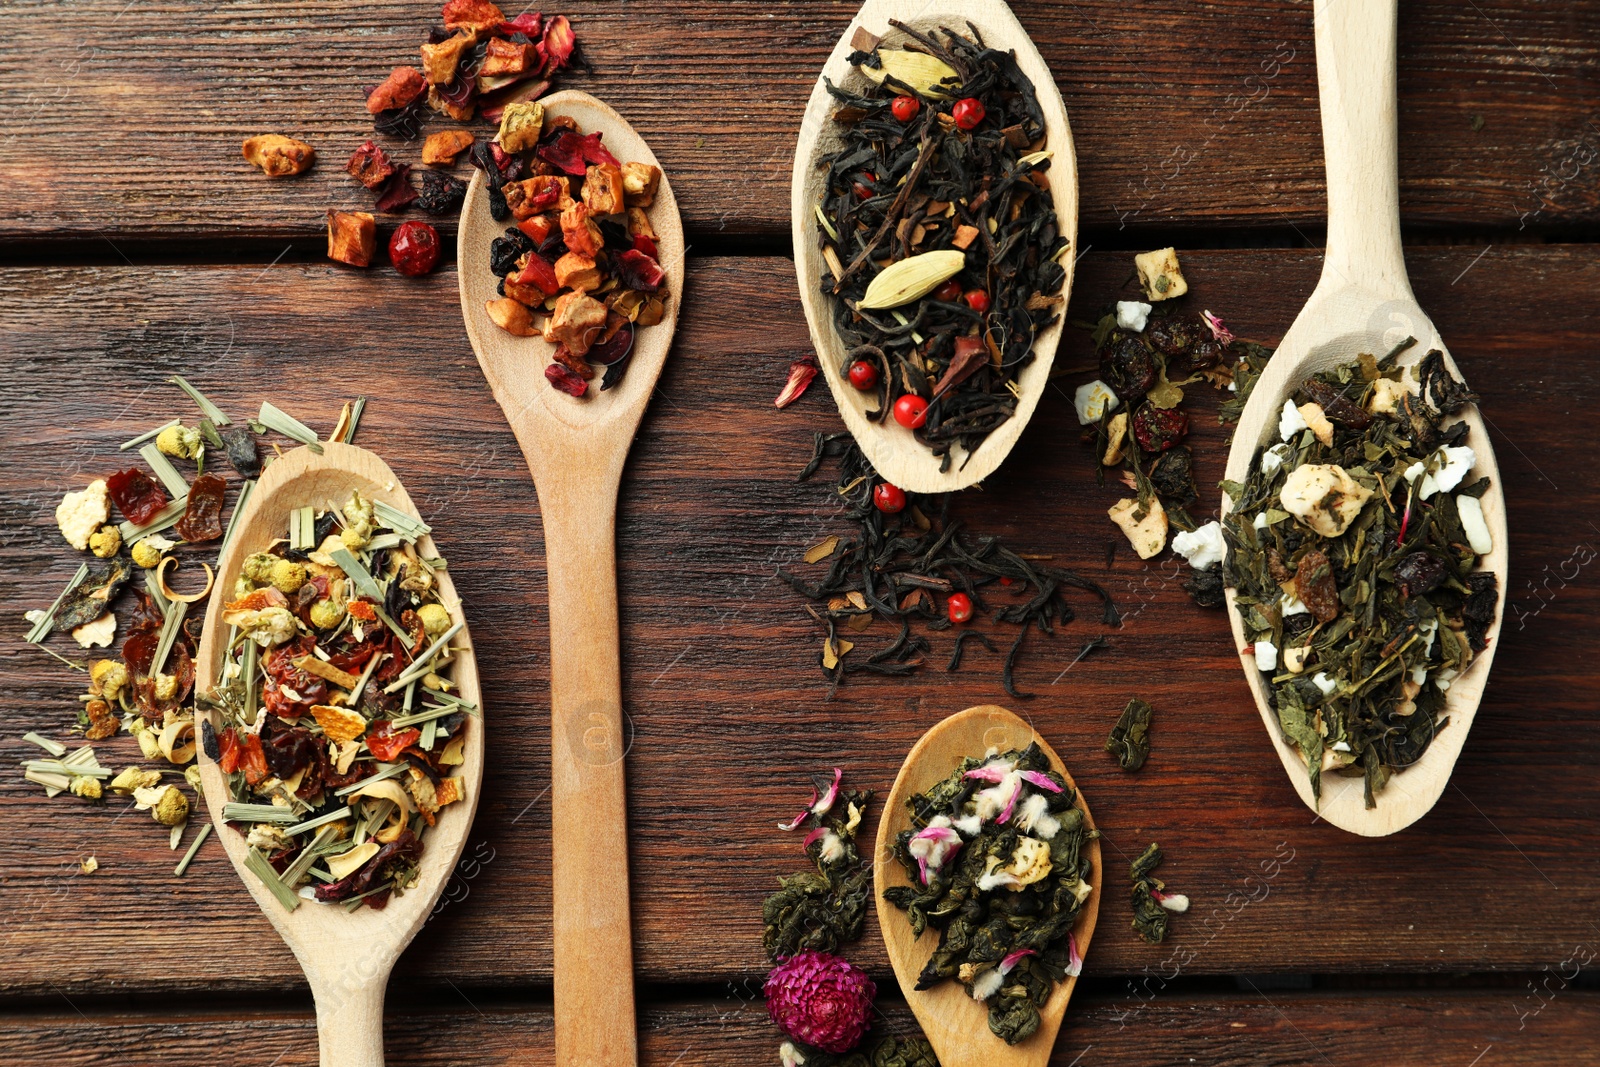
pixel 80 514
pixel 1324 497
pixel 1147 535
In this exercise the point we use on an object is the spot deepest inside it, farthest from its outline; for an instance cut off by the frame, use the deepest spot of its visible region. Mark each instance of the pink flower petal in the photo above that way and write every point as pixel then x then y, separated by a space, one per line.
pixel 823 806
pixel 1074 960
pixel 1040 780
pixel 1013 958
pixel 1218 330
pixel 1011 806
pixel 986 774
pixel 812 836
pixel 801 373
pixel 794 824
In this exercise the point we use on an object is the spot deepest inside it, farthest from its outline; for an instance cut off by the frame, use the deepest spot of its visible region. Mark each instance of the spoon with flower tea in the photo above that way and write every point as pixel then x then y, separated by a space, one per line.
pixel 349 935
pixel 935 315
pixel 1365 595
pixel 979 778
pixel 576 446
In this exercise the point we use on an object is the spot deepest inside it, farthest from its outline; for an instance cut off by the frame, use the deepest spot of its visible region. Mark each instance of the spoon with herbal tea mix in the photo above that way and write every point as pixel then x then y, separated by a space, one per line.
pixel 576 447
pixel 999 751
pixel 1362 308
pixel 934 209
pixel 346 953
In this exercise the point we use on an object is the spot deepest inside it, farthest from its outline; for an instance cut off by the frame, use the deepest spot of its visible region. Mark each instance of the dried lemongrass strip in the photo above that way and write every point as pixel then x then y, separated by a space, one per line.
pixel 56 766
pixel 344 431
pixel 419 667
pixel 320 820
pixel 54 784
pixel 383 541
pixel 176 483
pixel 428 715
pixel 233 520
pixel 388 771
pixel 194 846
pixel 355 694
pixel 160 521
pixel 465 705
pixel 55 748
pixel 407 526
pixel 280 421
pixel 148 435
pixel 358 574
pixel 303 528
pixel 297 870
pixel 355 902
pixel 42 628
pixel 169 634
pixel 207 408
pixel 234 812
pixel 152 584
pixel 258 866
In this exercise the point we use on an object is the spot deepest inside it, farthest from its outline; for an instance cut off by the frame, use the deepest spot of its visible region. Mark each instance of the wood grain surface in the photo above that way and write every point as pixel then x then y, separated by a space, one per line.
pixel 124 120
pixel 465 1026
pixel 722 690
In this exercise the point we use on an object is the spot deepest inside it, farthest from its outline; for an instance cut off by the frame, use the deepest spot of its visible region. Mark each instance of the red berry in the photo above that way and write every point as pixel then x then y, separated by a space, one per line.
pixel 968 112
pixel 911 411
pixel 861 191
pixel 414 248
pixel 888 498
pixel 978 301
pixel 905 108
pixel 1158 429
pixel 960 607
pixel 949 291
pixel 863 375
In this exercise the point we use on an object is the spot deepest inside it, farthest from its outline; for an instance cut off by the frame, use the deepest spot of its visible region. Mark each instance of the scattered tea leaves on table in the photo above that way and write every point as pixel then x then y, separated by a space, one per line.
pixel 1151 902
pixel 1130 737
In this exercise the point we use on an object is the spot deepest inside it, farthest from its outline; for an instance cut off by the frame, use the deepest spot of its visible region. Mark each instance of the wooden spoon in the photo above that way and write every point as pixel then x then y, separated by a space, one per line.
pixel 892 448
pixel 956 1025
pixel 346 956
pixel 1363 303
pixel 575 449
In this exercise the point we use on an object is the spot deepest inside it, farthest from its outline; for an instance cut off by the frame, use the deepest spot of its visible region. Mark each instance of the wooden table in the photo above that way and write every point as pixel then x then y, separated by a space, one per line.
pixel 137 244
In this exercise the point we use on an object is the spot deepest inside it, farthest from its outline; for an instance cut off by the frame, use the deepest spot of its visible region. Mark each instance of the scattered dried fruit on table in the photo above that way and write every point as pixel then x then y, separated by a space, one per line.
pixel 1160 275
pixel 279 156
pixel 83 512
pixel 414 249
pixel 443 147
pixel 352 237
pixel 400 89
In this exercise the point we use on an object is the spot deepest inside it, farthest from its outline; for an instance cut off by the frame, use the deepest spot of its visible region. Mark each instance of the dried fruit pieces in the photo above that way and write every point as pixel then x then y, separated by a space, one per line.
pixel 352 237
pixel 202 515
pixel 443 147
pixel 279 156
pixel 399 90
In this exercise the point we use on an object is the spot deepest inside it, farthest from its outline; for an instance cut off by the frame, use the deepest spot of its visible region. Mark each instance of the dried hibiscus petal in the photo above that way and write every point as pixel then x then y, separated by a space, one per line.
pixel 638 271
pixel 369 165
pixel 529 23
pixel 643 242
pixel 565 380
pixel 1158 429
pixel 613 348
pixel 397 192
pixel 565 150
pixel 202 516
pixel 136 495
pixel 801 374
pixel 559 41
pixel 1419 573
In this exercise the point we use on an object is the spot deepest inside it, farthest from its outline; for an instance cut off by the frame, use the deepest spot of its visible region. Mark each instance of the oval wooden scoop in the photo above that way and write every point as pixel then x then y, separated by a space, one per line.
pixel 575 449
pixel 1363 303
pixel 346 956
pixel 896 454
pixel 956 1025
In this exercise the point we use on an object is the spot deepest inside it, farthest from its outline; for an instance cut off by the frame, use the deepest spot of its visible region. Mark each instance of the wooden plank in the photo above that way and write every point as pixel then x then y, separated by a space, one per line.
pixel 1184 114
pixel 722 687
pixel 1248 1029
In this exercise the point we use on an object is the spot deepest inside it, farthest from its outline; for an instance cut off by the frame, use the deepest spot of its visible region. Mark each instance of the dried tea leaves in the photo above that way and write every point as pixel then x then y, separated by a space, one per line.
pixel 823 910
pixel 1151 902
pixel 1130 737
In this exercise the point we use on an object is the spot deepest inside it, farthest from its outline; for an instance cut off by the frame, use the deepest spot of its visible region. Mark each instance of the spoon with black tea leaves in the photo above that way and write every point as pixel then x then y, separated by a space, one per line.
pixel 576 449
pixel 346 955
pixel 956 1025
pixel 892 449
pixel 1363 303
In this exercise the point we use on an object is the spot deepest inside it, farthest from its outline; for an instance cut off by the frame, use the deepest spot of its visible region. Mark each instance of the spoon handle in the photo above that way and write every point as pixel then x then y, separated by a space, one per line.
pixel 594 1013
pixel 1356 58
pixel 350 1016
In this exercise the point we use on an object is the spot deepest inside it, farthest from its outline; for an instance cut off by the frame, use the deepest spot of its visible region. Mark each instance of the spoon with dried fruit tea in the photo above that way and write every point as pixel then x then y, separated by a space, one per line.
pixel 955 1023
pixel 575 447
pixel 346 954
pixel 1363 304
pixel 954 339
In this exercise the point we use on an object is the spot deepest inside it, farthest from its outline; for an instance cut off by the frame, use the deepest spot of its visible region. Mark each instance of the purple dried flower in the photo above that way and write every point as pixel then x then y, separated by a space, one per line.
pixel 820 1000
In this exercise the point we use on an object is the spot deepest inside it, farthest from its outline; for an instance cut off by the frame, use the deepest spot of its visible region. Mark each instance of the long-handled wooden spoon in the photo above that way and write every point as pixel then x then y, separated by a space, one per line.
pixel 1363 303
pixel 346 956
pixel 956 1025
pixel 896 454
pixel 575 449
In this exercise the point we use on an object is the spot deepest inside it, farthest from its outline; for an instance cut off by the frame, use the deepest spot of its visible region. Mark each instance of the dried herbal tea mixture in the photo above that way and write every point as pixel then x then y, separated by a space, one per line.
pixel 940 234
pixel 1151 901
pixel 145 688
pixel 1147 354
pixel 1352 548
pixel 579 267
pixel 478 62
pixel 997 866
pixel 818 999
pixel 908 561
pixel 339 727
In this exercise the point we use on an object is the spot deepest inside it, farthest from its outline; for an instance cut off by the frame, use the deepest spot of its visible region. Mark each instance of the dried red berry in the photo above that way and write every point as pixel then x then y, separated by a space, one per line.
pixel 949 292
pixel 888 498
pixel 968 112
pixel 863 375
pixel 565 380
pixel 414 249
pixel 639 271
pixel 911 411
pixel 978 301
pixel 905 108
pixel 1129 369
pixel 960 608
pixel 1158 429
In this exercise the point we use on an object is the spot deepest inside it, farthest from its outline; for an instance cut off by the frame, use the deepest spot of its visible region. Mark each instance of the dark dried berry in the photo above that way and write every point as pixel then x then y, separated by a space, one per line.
pixel 1314 585
pixel 565 380
pixel 441 194
pixel 1174 335
pixel 400 121
pixel 1205 587
pixel 1205 354
pixel 1340 409
pixel 505 251
pixel 1478 611
pixel 499 210
pixel 1419 573
pixel 1129 368
pixel 1158 429
pixel 1173 476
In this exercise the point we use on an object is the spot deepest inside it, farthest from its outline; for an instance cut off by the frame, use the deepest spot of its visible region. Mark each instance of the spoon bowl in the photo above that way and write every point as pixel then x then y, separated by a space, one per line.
pixel 1363 303
pixel 896 454
pixel 346 956
pixel 956 1025
pixel 575 449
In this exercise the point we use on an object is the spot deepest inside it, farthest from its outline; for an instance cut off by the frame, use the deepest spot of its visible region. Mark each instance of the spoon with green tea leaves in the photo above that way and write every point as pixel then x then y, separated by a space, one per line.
pixel 373 827
pixel 934 209
pixel 575 447
pixel 999 821
pixel 1368 668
